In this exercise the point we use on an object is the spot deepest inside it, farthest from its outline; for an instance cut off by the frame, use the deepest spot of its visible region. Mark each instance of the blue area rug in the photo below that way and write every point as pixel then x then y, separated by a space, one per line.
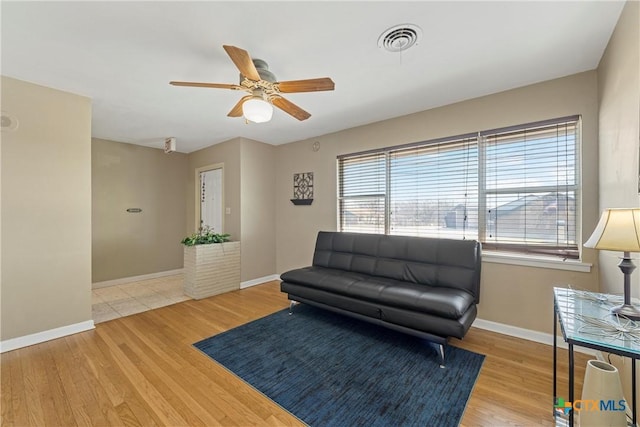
pixel 332 370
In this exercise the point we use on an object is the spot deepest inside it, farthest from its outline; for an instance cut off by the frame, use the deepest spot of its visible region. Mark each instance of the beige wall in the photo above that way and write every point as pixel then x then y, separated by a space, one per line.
pixel 46 210
pixel 258 220
pixel 518 296
pixel 129 176
pixel 619 96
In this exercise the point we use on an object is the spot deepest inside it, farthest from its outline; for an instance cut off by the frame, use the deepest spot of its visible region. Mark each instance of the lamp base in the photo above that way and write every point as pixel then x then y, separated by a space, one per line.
pixel 629 311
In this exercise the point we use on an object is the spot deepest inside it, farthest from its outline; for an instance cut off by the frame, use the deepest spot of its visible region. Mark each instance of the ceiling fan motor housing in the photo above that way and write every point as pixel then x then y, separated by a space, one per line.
pixel 263 71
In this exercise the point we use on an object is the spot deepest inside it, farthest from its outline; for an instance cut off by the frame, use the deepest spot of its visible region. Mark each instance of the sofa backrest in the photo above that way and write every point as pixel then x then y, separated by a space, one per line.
pixel 422 260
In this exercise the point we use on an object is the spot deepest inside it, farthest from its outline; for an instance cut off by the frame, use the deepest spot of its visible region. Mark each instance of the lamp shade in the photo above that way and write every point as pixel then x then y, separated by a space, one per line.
pixel 257 110
pixel 617 230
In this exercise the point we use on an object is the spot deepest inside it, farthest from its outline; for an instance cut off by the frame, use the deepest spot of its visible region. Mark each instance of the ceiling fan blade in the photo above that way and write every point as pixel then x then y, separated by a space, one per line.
pixel 290 108
pixel 309 85
pixel 243 61
pixel 236 111
pixel 209 85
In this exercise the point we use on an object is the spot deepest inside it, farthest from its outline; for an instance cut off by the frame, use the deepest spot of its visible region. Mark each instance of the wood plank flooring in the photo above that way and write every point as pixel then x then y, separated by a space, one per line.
pixel 142 370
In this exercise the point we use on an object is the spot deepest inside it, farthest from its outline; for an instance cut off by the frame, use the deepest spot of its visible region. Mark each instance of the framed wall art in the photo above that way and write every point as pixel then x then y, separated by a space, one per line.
pixel 302 188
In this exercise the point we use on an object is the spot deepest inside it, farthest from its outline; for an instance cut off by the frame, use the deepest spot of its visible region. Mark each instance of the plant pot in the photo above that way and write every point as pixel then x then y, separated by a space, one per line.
pixel 211 269
pixel 603 402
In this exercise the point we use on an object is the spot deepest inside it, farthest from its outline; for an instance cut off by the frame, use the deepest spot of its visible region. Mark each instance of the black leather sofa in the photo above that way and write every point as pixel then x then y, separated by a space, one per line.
pixel 422 286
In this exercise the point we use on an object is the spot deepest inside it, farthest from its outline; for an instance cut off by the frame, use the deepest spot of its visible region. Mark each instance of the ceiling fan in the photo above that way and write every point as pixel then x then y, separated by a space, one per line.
pixel 264 91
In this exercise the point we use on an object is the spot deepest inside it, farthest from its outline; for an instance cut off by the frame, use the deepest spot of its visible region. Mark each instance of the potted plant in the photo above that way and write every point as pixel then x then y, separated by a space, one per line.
pixel 211 263
pixel 205 236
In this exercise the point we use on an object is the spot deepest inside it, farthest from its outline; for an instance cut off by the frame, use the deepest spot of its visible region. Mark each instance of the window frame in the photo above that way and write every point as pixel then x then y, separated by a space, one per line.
pixel 576 188
pixel 557 252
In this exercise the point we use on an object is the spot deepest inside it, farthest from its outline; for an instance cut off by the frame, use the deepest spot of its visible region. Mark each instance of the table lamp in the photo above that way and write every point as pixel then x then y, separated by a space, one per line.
pixel 619 230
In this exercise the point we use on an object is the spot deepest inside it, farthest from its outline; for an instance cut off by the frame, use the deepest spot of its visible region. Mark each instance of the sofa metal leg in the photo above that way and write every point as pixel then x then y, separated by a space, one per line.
pixel 291 304
pixel 441 349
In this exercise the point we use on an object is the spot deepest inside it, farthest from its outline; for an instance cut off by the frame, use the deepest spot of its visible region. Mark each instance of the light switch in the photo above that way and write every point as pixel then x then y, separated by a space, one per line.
pixel 228 211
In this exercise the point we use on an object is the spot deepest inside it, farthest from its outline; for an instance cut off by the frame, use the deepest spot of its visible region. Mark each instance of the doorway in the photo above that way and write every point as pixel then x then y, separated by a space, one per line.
pixel 209 210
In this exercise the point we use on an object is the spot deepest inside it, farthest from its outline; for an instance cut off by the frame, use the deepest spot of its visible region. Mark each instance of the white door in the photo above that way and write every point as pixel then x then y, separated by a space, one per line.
pixel 211 199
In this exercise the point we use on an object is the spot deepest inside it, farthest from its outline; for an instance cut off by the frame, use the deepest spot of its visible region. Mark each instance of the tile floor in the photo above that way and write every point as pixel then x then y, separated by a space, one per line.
pixel 135 297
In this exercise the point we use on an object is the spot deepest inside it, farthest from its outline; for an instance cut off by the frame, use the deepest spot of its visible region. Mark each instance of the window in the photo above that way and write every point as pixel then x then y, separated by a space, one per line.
pixel 363 193
pixel 433 190
pixel 531 188
pixel 514 189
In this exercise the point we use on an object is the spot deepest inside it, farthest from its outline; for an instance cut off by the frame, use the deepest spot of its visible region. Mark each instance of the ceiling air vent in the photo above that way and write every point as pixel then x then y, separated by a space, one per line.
pixel 399 37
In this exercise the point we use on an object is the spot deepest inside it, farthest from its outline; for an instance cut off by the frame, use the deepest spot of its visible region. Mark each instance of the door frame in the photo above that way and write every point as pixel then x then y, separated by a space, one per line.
pixel 198 171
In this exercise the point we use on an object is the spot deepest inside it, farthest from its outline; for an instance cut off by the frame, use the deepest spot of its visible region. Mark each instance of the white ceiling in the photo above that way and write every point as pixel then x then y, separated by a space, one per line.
pixel 123 54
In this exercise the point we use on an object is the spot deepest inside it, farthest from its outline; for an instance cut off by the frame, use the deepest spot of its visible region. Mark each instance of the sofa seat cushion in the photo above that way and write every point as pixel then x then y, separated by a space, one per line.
pixel 451 303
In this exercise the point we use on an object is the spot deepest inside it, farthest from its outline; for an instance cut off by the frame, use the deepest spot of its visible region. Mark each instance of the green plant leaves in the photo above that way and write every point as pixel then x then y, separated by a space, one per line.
pixel 205 236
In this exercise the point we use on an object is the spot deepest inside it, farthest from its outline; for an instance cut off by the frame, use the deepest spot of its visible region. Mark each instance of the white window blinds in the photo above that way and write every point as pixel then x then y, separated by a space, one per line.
pixel 433 189
pixel 514 189
pixel 531 188
pixel 362 193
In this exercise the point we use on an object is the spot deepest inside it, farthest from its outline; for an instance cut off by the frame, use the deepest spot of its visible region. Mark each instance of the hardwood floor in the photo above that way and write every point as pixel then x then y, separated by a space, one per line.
pixel 143 370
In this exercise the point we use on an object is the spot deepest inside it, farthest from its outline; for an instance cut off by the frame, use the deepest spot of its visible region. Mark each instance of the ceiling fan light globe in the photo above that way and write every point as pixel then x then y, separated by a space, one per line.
pixel 257 110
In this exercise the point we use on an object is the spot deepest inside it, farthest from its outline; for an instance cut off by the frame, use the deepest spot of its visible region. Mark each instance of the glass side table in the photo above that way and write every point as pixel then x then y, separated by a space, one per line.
pixel 585 321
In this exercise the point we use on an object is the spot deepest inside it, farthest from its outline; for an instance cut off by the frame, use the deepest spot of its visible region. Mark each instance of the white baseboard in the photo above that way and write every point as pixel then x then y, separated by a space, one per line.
pixel 51 334
pixel 259 281
pixel 124 280
pixel 527 334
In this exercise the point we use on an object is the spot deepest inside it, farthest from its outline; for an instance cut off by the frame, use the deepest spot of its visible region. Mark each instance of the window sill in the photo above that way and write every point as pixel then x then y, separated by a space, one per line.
pixel 535 261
